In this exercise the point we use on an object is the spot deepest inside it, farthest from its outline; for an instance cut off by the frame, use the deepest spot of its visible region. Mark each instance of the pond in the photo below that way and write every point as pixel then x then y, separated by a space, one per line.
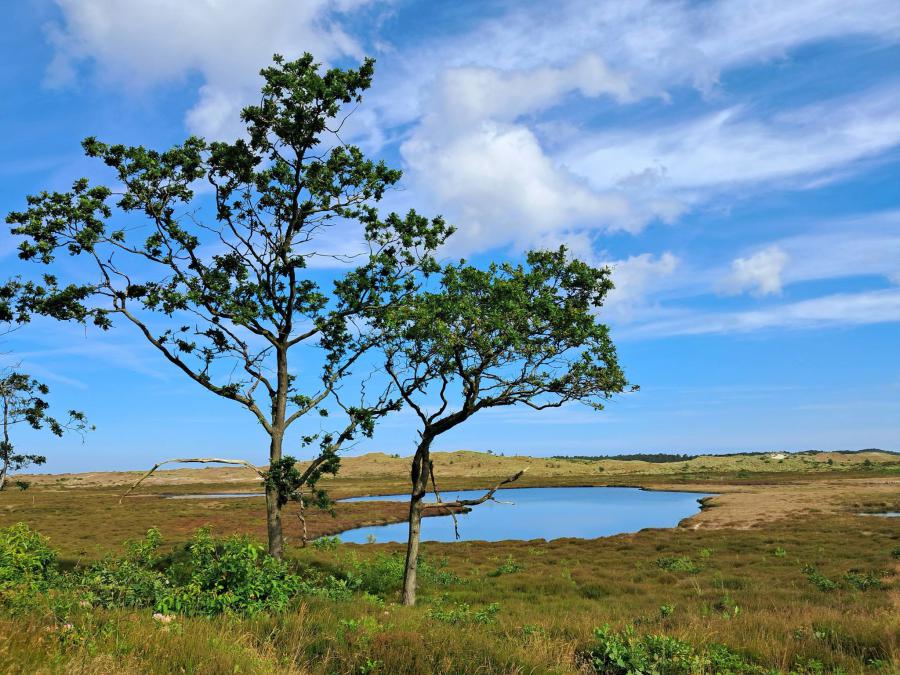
pixel 544 513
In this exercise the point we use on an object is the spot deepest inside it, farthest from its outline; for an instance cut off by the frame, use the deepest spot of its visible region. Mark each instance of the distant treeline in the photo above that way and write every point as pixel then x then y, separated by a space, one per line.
pixel 658 457
pixel 663 457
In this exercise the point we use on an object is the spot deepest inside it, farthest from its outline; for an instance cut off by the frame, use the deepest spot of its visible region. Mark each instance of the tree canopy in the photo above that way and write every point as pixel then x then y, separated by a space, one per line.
pixel 502 336
pixel 226 296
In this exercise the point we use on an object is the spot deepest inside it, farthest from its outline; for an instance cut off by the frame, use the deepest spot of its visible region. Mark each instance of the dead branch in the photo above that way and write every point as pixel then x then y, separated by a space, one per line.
pixel 193 460
pixel 459 503
pixel 437 496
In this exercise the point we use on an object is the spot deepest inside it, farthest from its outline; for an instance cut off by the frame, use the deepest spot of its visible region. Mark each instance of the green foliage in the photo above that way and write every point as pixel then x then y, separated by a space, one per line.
pixel 779 552
pixel 26 558
pixel 630 654
pixel 276 190
pixel 818 579
pixel 231 576
pixel 207 577
pixel 508 567
pixel 382 574
pixel 326 543
pixel 288 481
pixel 462 613
pixel 22 401
pixel 678 564
pixel 863 581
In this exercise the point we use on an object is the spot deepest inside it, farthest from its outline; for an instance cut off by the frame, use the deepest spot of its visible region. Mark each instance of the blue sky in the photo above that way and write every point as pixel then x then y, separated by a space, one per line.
pixel 736 162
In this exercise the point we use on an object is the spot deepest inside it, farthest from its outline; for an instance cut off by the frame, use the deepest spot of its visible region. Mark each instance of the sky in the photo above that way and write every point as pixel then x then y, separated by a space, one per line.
pixel 736 163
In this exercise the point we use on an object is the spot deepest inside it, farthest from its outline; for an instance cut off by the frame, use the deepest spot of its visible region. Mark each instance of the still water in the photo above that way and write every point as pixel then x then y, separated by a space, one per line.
pixel 544 513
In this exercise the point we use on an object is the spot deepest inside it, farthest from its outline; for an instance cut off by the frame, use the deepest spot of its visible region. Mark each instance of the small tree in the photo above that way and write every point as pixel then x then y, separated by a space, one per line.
pixel 22 400
pixel 508 335
pixel 234 293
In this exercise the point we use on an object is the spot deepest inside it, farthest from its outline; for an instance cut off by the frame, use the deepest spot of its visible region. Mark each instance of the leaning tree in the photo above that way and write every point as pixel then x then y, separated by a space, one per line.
pixel 233 298
pixel 486 338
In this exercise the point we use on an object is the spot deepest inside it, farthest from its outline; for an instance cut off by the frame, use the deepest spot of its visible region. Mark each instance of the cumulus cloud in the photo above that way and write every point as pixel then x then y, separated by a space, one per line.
pixel 760 273
pixel 141 43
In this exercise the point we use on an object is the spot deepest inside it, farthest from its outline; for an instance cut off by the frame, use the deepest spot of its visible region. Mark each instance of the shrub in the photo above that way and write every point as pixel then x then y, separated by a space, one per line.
pixel 130 581
pixel 509 567
pixel 208 577
pixel 863 581
pixel 326 543
pixel 382 574
pixel 235 575
pixel 625 652
pixel 25 557
pixel 678 564
pixel 818 579
pixel 461 613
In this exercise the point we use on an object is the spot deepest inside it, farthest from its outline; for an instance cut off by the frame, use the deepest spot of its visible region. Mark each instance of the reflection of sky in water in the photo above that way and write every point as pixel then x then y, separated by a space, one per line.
pixel 544 513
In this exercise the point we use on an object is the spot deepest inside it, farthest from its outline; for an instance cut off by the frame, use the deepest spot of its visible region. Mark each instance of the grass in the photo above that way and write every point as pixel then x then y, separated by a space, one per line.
pixel 501 607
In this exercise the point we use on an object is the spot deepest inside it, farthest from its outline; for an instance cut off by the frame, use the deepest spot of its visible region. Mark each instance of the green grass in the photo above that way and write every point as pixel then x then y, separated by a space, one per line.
pixel 707 596
pixel 540 618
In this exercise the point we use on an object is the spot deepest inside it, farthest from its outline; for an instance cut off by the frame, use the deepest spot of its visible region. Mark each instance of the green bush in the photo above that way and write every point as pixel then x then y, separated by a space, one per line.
pixel 25 557
pixel 133 580
pixel 863 581
pixel 627 653
pixel 678 564
pixel 818 579
pixel 509 567
pixel 462 613
pixel 208 577
pixel 326 543
pixel 382 574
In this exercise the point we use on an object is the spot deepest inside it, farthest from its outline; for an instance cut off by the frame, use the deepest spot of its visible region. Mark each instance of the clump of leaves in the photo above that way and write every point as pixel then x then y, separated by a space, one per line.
pixel 779 552
pixel 863 581
pixel 207 577
pixel 624 652
pixel 461 613
pixel 511 566
pixel 382 574
pixel 678 564
pixel 326 543
pixel 818 579
pixel 230 576
pixel 25 558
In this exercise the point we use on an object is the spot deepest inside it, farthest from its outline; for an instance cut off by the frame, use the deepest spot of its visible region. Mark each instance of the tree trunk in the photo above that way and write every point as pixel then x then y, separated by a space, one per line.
pixel 421 469
pixel 279 404
pixel 273 509
pixel 6 450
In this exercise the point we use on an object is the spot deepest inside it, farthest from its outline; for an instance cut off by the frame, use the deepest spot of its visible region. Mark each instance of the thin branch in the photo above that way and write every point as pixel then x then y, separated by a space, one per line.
pixel 193 460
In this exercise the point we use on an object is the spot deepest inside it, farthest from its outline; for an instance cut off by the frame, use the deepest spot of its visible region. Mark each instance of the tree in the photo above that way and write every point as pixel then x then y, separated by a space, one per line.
pixel 236 293
pixel 508 335
pixel 22 401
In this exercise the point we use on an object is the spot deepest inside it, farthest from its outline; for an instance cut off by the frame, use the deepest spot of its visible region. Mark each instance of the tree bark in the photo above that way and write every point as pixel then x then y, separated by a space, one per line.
pixel 7 448
pixel 421 470
pixel 273 509
pixel 279 406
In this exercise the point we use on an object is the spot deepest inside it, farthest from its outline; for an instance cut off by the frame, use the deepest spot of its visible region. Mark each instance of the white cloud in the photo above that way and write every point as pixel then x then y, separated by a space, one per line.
pixel 141 43
pixel 760 273
pixel 637 278
pixel 866 307
pixel 731 149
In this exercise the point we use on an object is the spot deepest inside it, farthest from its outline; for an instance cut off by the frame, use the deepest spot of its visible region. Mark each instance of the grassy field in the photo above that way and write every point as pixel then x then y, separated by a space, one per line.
pixel 749 572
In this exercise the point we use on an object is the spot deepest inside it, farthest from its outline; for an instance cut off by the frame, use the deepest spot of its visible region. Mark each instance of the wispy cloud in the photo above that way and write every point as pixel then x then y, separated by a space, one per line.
pixel 867 307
